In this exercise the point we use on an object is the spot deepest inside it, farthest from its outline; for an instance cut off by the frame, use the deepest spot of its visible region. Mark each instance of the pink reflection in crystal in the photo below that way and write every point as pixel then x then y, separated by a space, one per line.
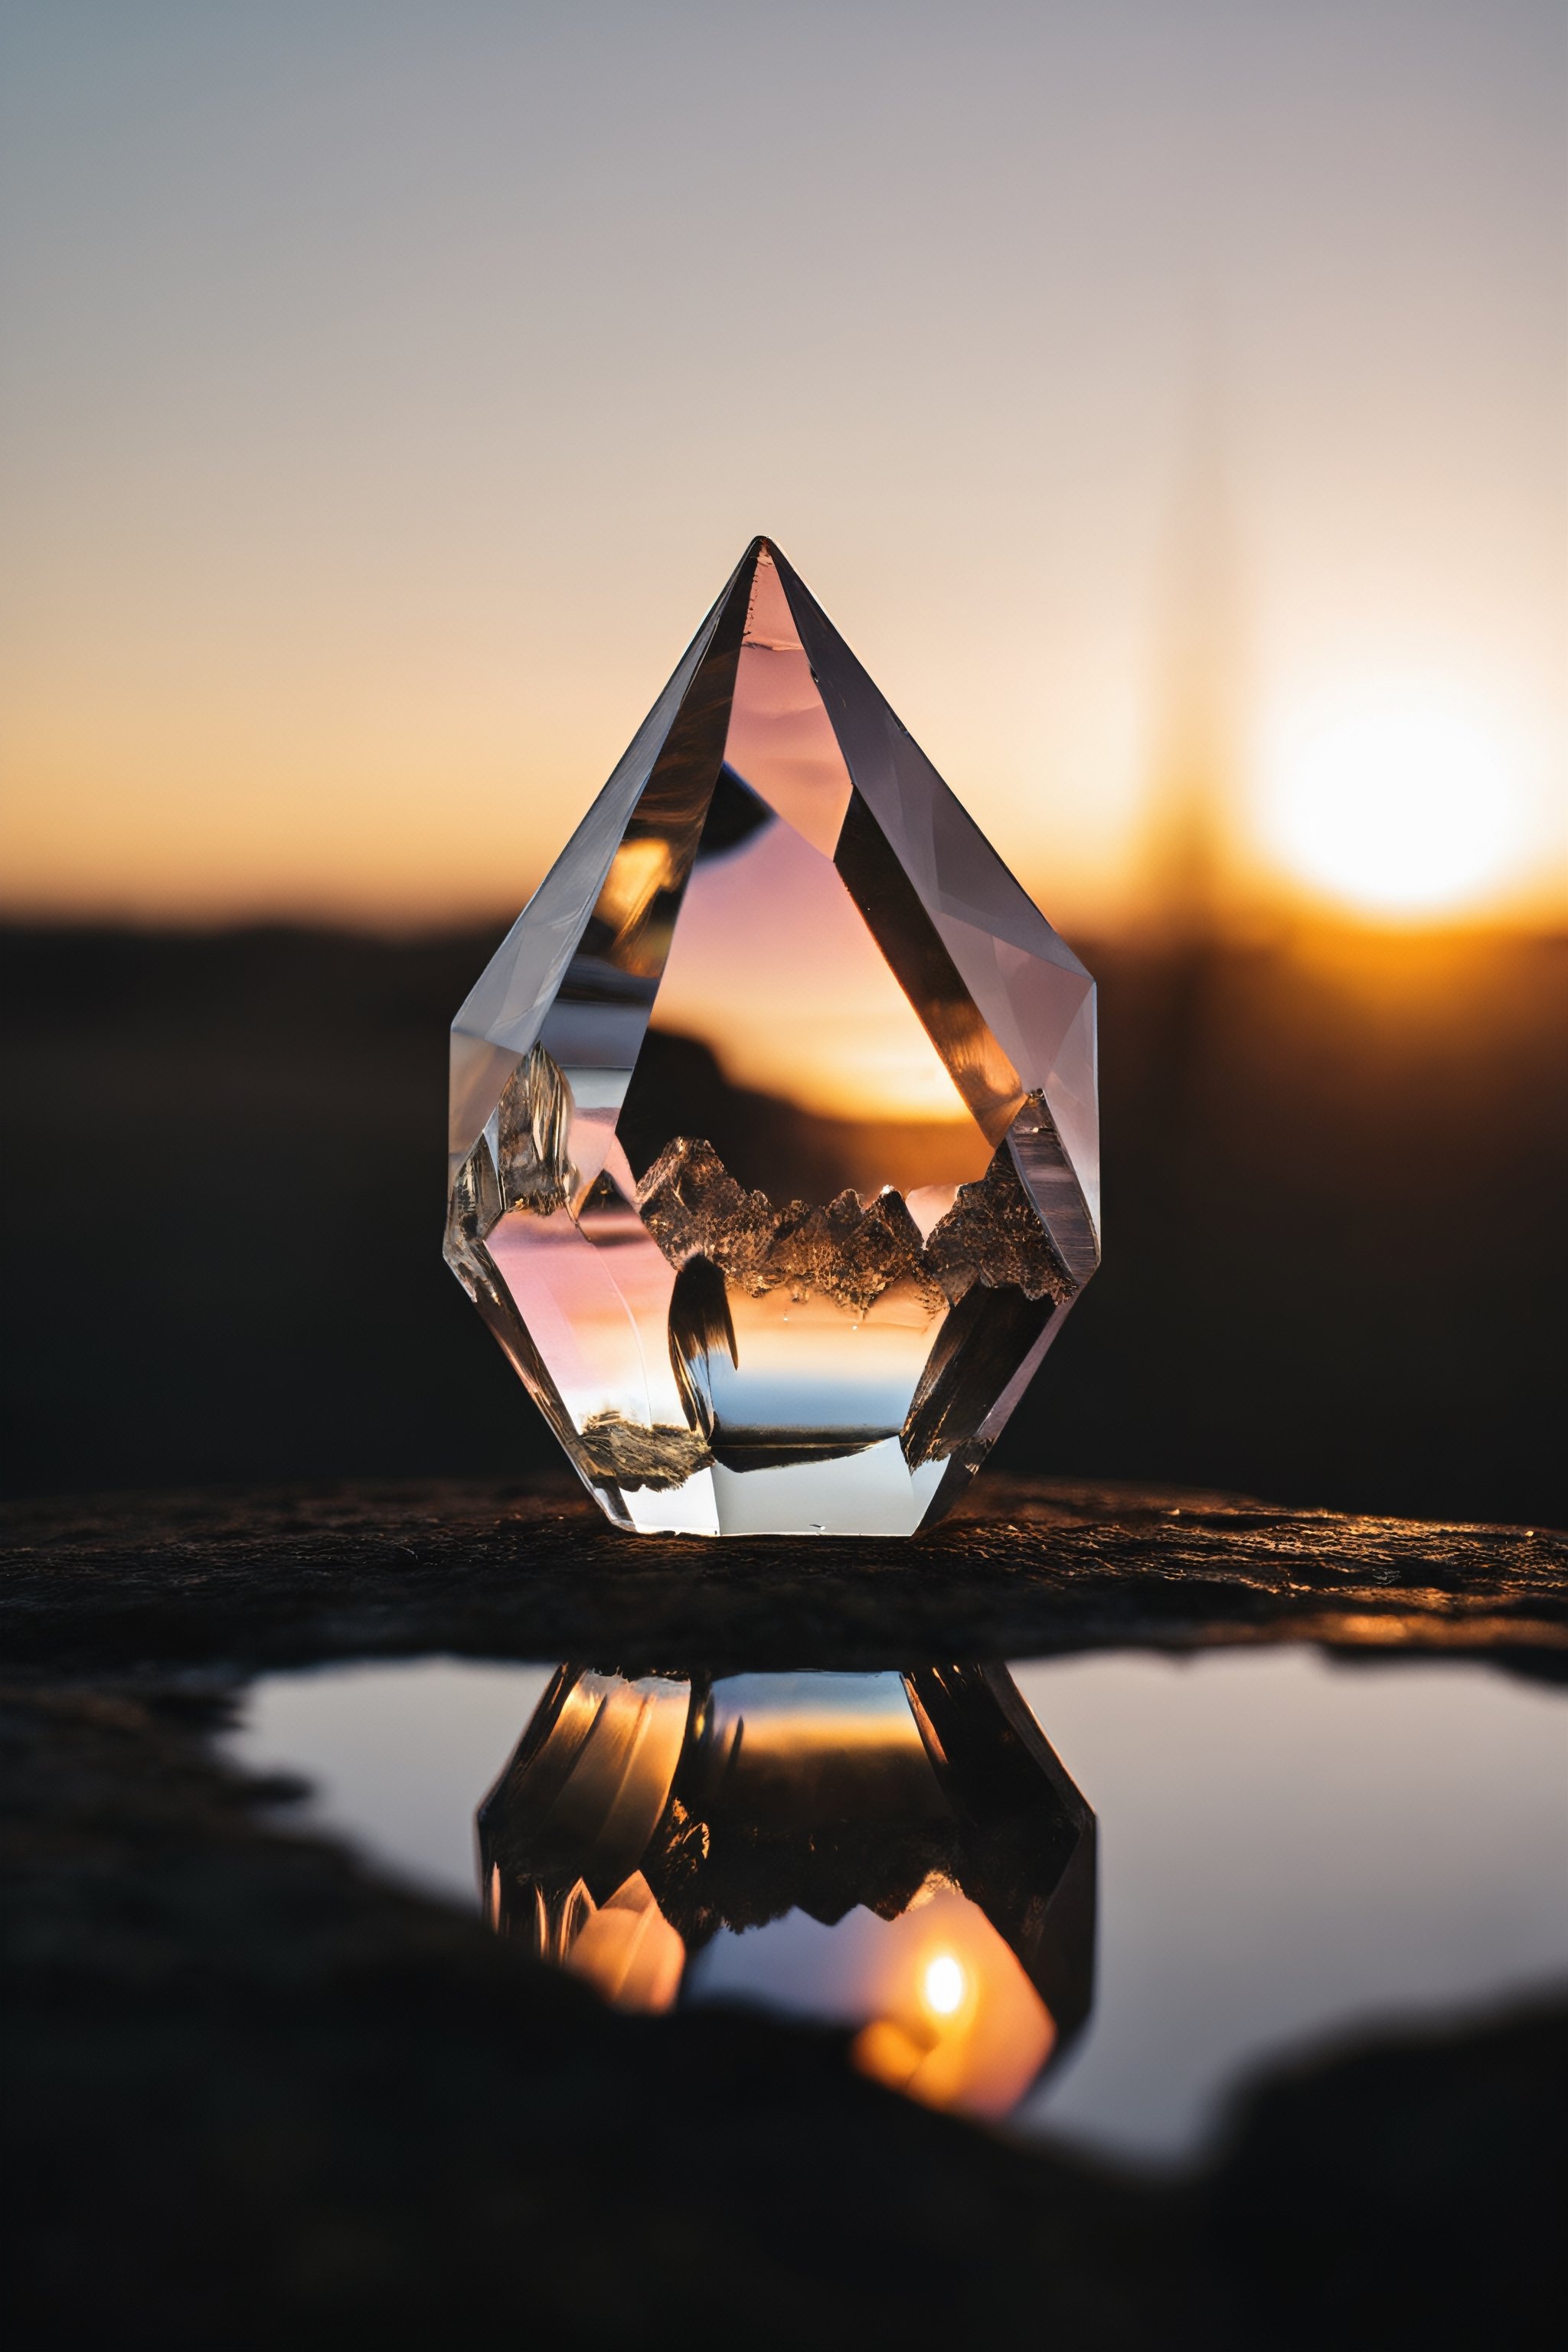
pixel 780 738
pixel 597 1307
pixel 771 965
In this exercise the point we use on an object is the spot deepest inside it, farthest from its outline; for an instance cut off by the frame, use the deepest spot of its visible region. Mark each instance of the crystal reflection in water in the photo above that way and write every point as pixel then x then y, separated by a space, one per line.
pixel 900 1852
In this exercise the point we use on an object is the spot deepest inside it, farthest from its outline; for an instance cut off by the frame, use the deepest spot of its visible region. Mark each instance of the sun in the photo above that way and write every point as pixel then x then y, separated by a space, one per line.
pixel 943 1984
pixel 1404 803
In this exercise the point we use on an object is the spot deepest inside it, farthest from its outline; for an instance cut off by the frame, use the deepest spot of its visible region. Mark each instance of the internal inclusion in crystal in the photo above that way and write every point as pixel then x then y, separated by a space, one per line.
pixel 901 1854
pixel 774 1146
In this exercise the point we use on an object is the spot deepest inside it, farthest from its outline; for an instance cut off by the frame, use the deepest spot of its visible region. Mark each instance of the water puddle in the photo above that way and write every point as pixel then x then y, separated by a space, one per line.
pixel 1089 1894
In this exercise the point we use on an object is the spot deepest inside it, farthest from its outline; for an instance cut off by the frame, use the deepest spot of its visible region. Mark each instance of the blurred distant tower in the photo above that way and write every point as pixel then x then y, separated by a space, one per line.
pixel 1188 892
pixel 1190 897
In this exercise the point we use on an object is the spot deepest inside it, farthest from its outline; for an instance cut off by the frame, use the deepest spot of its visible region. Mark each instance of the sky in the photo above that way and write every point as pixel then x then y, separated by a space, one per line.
pixel 1147 388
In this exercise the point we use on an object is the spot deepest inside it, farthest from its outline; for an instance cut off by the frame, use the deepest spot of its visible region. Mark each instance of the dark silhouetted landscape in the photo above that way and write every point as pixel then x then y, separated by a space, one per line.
pixel 1333 1273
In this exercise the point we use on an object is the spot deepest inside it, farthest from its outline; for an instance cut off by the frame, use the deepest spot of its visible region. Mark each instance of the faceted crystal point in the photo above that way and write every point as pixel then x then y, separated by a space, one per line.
pixel 898 1853
pixel 775 1147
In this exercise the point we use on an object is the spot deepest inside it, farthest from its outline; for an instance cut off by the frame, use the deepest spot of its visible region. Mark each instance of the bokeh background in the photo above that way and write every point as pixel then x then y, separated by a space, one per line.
pixel 1167 403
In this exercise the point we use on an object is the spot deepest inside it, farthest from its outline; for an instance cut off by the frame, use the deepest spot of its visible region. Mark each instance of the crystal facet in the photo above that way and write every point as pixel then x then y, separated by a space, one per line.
pixel 774 1154
pixel 899 1854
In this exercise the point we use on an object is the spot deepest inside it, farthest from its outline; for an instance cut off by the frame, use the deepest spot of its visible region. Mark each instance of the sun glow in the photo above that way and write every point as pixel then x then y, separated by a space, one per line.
pixel 943 1985
pixel 1405 804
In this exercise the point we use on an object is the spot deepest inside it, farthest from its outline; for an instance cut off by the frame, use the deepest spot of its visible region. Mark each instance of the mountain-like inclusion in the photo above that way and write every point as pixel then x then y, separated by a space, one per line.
pixel 774 1137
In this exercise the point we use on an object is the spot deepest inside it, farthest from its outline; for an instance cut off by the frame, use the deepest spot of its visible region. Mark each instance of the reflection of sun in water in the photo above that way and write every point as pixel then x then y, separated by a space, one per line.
pixel 943 1985
pixel 952 2019
pixel 1401 804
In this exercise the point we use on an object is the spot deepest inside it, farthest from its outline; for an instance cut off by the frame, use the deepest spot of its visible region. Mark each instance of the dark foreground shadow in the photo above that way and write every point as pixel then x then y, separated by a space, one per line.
pixel 255 2100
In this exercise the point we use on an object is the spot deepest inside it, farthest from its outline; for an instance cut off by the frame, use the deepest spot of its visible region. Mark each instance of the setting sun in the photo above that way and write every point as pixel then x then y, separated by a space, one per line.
pixel 944 1985
pixel 1399 805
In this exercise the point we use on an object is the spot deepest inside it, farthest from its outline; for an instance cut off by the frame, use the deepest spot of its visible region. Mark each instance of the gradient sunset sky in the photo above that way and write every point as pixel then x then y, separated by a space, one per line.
pixel 388 389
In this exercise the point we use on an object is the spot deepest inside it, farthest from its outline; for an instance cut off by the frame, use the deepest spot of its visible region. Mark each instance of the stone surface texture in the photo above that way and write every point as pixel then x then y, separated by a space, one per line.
pixel 1028 1568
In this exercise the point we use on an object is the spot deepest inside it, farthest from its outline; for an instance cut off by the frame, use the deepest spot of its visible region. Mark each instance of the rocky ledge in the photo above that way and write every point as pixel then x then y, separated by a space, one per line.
pixel 1026 1567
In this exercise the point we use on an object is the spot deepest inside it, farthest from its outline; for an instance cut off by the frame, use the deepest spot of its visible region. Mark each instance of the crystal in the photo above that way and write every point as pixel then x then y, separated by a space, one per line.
pixel 900 1854
pixel 774 1139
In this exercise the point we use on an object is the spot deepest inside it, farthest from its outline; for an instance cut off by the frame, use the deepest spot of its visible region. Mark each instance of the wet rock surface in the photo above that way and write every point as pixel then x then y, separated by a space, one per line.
pixel 253 2098
pixel 1023 1567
